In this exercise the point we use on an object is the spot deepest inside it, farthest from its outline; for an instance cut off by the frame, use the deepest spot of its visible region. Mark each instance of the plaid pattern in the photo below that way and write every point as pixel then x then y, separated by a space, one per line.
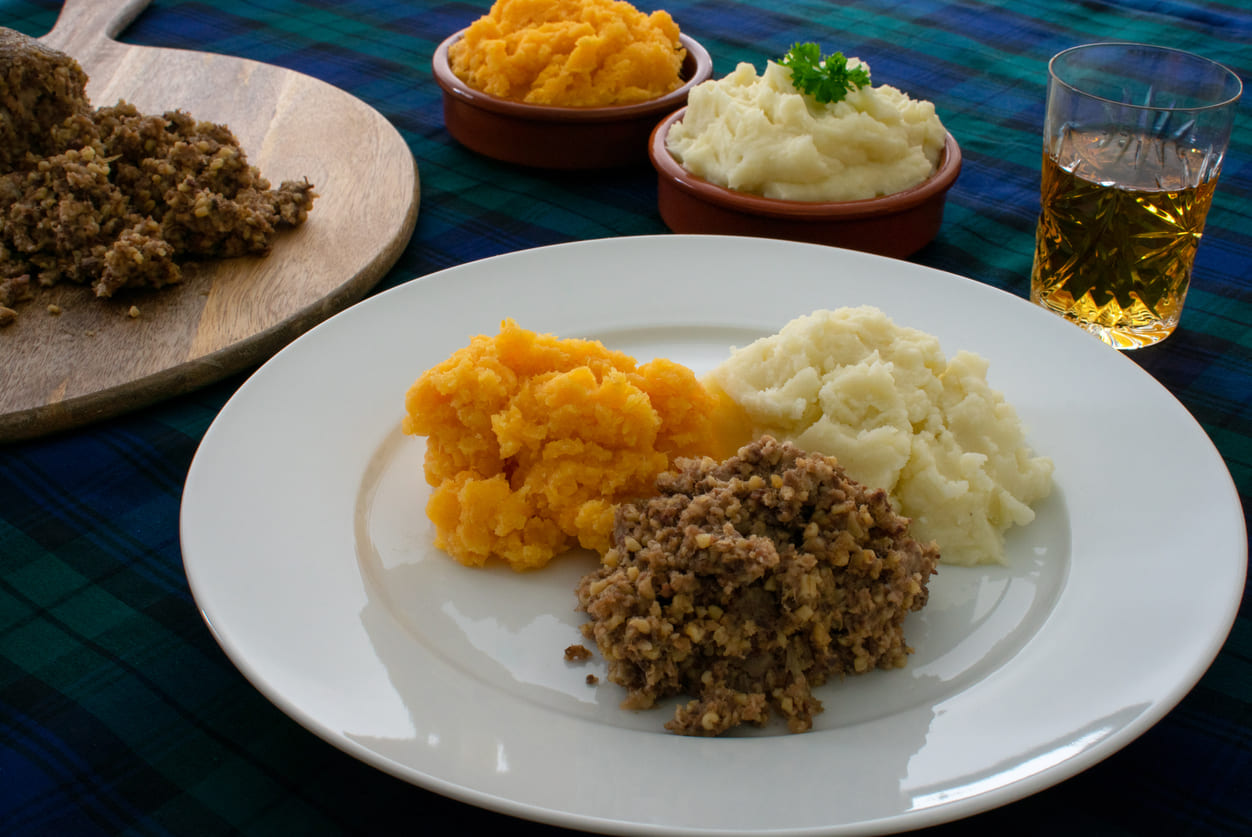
pixel 119 714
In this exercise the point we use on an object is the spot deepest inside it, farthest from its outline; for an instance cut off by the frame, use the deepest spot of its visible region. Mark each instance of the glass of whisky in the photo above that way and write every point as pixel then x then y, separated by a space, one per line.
pixel 1133 141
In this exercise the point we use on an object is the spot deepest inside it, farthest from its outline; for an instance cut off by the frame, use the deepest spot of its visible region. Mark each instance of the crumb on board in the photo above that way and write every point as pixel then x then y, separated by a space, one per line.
pixel 577 654
pixel 54 309
pixel 133 313
pixel 592 680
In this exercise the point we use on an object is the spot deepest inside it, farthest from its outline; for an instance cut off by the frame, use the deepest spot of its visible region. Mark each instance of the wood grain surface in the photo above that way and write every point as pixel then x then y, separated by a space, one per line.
pixel 95 359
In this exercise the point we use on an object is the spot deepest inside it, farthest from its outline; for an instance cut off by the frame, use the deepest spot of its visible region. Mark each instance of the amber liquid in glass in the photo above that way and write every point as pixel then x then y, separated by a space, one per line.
pixel 1118 233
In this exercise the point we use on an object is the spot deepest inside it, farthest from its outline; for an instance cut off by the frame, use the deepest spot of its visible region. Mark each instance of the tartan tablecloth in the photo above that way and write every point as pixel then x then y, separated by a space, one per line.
pixel 120 715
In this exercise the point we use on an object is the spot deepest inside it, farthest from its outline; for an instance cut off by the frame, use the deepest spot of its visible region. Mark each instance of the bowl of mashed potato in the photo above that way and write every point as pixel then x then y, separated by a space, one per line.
pixel 565 84
pixel 753 155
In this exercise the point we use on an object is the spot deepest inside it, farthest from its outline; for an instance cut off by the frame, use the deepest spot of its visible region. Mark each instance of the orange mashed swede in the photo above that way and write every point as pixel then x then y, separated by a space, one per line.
pixel 570 53
pixel 531 439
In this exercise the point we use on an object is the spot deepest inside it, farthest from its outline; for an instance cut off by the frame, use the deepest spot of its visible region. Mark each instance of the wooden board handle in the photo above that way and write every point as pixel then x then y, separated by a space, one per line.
pixel 83 25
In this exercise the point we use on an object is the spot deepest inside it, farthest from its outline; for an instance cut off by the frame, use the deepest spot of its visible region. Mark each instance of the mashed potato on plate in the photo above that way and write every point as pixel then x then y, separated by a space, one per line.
pixel 898 415
pixel 758 134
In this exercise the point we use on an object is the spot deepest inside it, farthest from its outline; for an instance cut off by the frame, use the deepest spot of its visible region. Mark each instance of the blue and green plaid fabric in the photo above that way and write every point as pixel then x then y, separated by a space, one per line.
pixel 120 715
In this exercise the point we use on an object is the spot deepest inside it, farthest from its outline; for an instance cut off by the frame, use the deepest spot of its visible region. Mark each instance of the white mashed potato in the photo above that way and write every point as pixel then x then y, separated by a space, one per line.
pixel 899 416
pixel 758 134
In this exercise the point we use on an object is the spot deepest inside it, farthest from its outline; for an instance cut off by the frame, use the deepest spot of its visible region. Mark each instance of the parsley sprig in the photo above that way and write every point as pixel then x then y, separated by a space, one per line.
pixel 827 79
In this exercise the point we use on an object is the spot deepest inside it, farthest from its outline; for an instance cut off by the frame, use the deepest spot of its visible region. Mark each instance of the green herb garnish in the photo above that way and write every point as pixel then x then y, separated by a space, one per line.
pixel 828 79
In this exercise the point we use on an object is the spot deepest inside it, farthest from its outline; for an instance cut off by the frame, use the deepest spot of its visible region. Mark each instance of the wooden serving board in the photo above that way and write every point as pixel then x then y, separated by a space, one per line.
pixel 93 359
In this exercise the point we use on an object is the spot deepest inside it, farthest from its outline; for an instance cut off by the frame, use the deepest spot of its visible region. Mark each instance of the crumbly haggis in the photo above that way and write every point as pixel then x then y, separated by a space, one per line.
pixel 577 653
pixel 39 88
pixel 746 583
pixel 114 198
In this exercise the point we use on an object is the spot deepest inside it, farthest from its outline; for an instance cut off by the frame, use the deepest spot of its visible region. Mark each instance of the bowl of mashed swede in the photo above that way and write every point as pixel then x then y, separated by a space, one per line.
pixel 565 84
pixel 840 163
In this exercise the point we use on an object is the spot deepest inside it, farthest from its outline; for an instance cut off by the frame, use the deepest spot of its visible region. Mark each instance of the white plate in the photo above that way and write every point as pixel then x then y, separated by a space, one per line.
pixel 308 552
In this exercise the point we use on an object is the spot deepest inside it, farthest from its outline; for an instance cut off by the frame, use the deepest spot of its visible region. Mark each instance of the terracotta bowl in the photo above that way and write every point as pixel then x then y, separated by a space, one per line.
pixel 558 137
pixel 893 225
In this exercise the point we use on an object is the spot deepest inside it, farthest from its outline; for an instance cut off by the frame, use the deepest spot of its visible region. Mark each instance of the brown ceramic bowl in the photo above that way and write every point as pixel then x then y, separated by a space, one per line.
pixel 893 225
pixel 558 137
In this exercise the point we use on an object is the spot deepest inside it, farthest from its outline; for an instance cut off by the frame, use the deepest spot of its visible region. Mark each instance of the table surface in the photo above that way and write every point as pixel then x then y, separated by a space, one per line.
pixel 120 714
